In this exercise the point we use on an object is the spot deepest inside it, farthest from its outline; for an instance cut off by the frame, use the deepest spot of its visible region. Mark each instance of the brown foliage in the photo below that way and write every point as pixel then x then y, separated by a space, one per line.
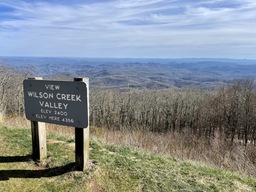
pixel 11 91
pixel 228 111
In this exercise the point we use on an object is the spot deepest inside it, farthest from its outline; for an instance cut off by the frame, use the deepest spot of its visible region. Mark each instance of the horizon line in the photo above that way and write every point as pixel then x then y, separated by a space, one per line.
pixel 133 58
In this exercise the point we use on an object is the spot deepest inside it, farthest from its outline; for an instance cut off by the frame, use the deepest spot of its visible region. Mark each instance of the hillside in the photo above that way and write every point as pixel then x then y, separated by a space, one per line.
pixel 113 168
pixel 138 73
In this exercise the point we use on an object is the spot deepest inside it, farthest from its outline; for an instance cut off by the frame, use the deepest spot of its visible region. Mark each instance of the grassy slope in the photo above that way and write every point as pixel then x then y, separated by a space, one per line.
pixel 114 168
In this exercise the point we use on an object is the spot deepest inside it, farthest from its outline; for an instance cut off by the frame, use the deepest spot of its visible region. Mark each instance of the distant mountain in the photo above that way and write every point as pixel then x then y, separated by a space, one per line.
pixel 138 73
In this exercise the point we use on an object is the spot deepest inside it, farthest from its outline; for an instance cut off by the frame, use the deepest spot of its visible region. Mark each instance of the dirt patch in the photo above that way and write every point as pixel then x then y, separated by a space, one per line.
pixel 52 141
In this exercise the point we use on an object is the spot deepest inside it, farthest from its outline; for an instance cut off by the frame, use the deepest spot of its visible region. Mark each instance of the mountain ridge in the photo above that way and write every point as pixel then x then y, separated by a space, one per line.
pixel 129 73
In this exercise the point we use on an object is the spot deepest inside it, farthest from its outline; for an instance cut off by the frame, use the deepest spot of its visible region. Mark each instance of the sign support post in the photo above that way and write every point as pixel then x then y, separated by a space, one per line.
pixel 82 139
pixel 39 148
pixel 38 131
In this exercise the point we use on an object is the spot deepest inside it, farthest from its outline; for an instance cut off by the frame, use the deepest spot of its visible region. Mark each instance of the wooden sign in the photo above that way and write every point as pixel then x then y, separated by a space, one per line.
pixel 57 102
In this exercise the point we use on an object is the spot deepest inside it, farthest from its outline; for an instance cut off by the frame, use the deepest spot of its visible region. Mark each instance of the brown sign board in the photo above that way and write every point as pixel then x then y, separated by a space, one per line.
pixel 57 102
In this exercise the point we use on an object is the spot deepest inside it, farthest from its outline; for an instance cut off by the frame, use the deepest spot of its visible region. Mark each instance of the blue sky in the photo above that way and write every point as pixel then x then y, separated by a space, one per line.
pixel 129 28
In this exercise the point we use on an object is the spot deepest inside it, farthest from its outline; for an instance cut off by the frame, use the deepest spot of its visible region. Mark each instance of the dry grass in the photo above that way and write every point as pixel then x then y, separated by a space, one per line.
pixel 184 146
pixel 16 121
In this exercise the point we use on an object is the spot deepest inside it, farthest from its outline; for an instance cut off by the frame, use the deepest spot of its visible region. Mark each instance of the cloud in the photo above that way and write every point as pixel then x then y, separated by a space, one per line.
pixel 126 26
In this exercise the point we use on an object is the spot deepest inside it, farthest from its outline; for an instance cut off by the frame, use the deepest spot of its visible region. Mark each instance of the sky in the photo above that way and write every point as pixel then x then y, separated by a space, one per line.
pixel 129 28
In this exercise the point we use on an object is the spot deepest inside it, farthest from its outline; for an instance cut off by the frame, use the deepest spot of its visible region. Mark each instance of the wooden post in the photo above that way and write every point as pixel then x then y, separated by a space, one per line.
pixel 39 148
pixel 38 131
pixel 82 138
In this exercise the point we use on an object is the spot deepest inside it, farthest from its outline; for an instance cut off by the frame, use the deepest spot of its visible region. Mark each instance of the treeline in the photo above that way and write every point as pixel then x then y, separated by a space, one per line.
pixel 228 112
pixel 11 91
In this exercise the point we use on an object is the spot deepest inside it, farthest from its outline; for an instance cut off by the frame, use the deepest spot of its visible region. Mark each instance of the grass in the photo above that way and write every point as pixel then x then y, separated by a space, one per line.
pixel 185 146
pixel 113 168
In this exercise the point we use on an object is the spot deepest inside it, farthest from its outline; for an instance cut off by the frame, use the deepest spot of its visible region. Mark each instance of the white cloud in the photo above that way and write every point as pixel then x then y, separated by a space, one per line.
pixel 124 27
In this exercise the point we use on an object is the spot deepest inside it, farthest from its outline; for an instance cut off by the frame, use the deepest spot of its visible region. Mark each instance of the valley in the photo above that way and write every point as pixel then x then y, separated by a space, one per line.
pixel 138 73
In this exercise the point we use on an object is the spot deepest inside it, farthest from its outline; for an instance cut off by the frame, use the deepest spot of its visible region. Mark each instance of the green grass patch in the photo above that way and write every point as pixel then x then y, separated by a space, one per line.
pixel 113 168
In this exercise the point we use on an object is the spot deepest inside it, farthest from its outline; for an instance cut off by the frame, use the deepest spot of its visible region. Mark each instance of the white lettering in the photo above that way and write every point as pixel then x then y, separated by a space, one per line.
pixel 52 87
pixel 68 97
pixel 41 103
pixel 57 87
pixel 63 96
pixel 78 98
pixel 30 94
pixel 58 96
pixel 60 113
pixel 53 105
pixel 46 111
pixel 40 116
pixel 47 86
pixel 65 105
pixel 54 118
pixel 41 95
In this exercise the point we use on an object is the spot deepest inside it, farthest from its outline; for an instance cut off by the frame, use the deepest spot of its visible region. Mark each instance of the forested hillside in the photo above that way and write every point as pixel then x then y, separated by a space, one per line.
pixel 228 111
pixel 214 122
pixel 138 73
